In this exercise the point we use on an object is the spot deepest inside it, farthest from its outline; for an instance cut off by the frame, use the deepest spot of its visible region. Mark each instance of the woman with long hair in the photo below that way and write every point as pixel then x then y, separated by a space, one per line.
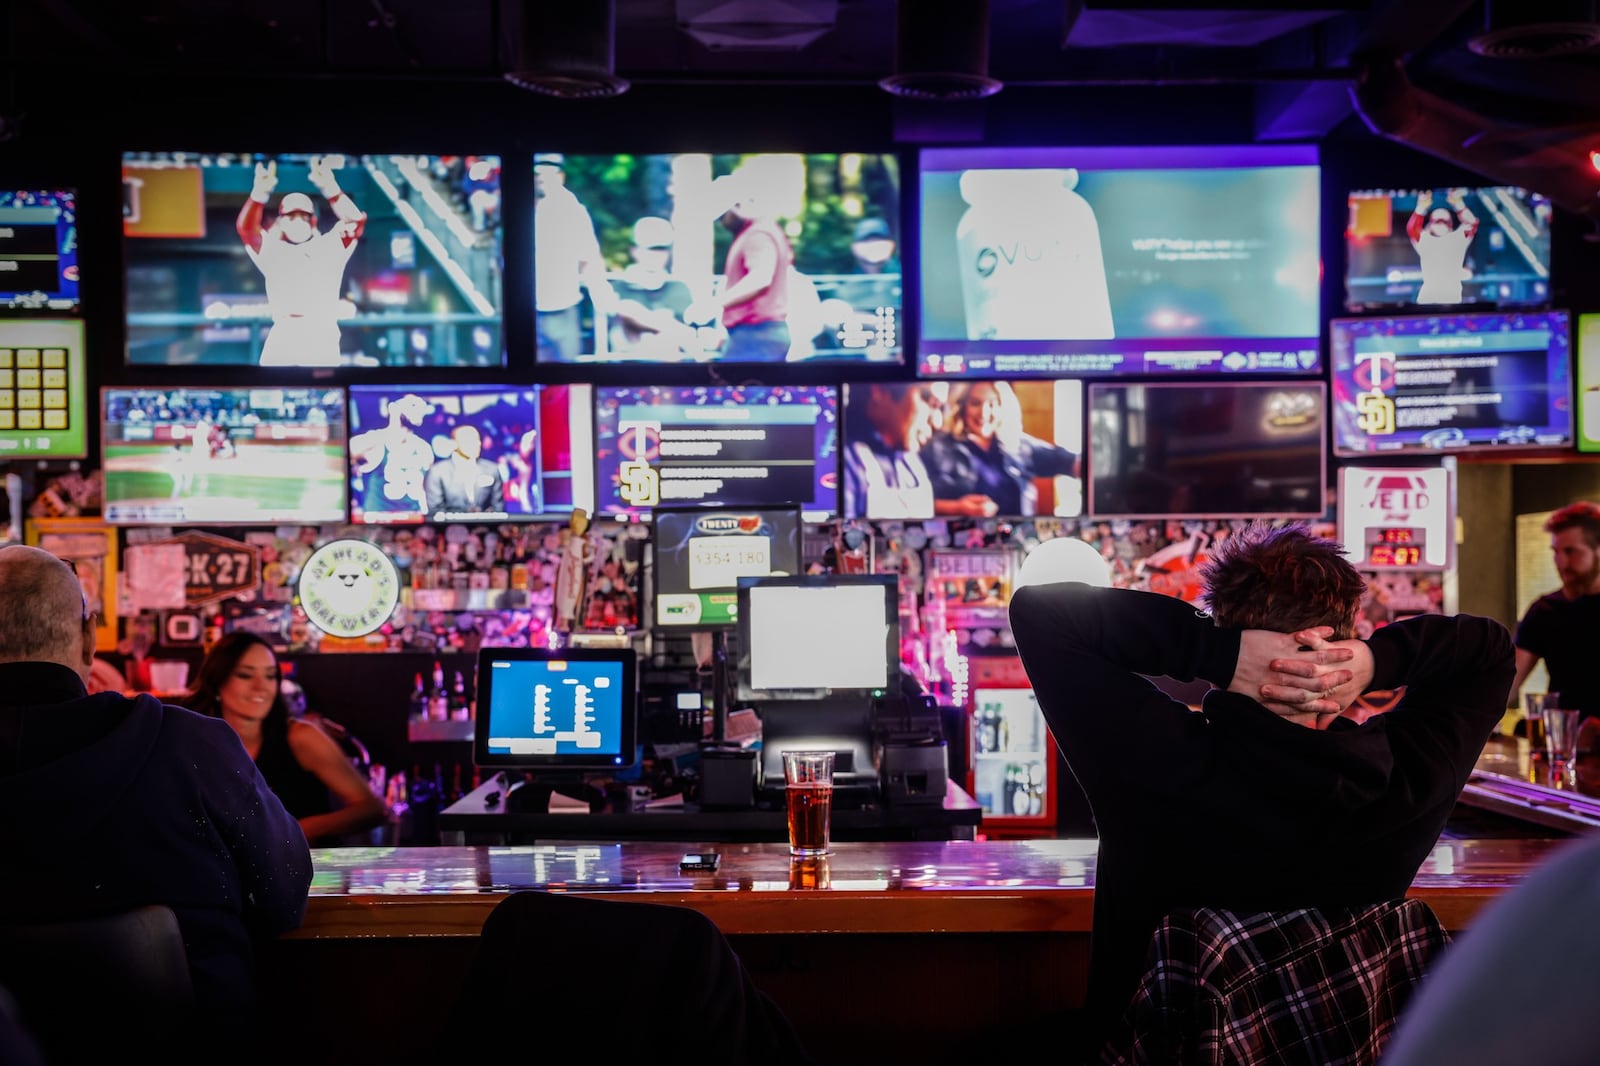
pixel 239 682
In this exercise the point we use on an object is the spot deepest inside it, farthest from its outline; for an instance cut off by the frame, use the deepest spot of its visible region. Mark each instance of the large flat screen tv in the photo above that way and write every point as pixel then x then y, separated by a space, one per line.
pixel 1051 262
pixel 978 448
pixel 697 258
pixel 39 250
pixel 1230 449
pixel 1437 383
pixel 1424 248
pixel 312 260
pixel 1588 383
pixel 464 453
pixel 223 456
pixel 702 552
pixel 44 390
pixel 717 446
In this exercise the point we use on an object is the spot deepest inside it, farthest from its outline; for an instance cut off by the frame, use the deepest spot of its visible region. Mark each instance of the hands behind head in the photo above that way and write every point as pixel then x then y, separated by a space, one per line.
pixel 1298 676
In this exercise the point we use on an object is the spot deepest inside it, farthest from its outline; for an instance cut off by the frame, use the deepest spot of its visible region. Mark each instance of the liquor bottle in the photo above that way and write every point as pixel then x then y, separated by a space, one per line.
pixel 438 696
pixel 418 707
pixel 459 712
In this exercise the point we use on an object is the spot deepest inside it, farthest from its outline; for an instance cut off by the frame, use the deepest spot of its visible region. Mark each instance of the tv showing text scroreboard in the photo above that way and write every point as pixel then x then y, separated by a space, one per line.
pixel 44 405
pixel 1051 262
pixel 717 446
pixel 700 258
pixel 1435 383
pixel 463 453
pixel 559 709
pixel 1421 248
pixel 1219 449
pixel 701 554
pixel 39 250
pixel 223 456
pixel 312 260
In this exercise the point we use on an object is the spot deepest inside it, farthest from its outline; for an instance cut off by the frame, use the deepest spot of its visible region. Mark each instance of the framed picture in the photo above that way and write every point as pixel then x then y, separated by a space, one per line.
pixel 91 547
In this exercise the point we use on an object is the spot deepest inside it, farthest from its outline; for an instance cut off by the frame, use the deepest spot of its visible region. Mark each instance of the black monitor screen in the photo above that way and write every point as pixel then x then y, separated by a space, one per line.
pixel 813 636
pixel 572 709
pixel 702 553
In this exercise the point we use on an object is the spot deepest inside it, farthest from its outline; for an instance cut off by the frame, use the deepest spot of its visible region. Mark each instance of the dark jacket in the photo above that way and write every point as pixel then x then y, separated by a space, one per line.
pixel 1234 807
pixel 108 802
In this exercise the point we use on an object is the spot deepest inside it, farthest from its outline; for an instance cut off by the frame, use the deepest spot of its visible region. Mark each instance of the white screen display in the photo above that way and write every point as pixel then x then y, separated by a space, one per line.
pixel 815 638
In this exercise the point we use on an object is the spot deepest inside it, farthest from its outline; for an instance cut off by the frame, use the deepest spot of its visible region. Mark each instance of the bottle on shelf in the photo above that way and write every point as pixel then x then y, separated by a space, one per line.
pixel 438 695
pixel 418 705
pixel 459 711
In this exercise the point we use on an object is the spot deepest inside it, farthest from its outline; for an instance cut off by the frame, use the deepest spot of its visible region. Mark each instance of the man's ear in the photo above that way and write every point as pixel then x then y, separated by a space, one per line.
pixel 88 642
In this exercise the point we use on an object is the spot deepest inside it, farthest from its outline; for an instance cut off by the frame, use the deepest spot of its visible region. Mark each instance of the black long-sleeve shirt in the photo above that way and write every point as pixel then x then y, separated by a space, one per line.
pixel 1234 806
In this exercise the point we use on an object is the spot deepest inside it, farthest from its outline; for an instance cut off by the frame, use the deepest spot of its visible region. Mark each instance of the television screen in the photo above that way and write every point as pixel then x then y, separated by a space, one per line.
pixel 700 555
pixel 572 709
pixel 223 456
pixel 1047 262
pixel 1589 383
pixel 810 636
pixel 714 446
pixel 717 258
pixel 1222 450
pixel 974 449
pixel 1434 383
pixel 44 406
pixel 39 250
pixel 462 453
pixel 307 260
pixel 1410 247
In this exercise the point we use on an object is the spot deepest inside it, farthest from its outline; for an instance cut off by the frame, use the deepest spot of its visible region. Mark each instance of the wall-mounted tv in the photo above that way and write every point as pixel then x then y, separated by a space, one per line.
pixel 976 448
pixel 223 456
pixel 717 446
pixel 1437 383
pixel 1588 384
pixel 1218 450
pixel 39 250
pixel 701 553
pixel 312 260
pixel 692 258
pixel 1051 262
pixel 1406 248
pixel 44 392
pixel 464 453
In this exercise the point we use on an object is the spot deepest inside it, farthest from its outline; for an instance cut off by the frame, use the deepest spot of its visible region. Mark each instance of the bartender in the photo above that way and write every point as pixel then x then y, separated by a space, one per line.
pixel 1560 626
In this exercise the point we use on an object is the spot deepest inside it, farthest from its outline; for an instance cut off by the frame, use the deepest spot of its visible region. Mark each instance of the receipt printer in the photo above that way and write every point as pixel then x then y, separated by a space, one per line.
pixel 913 773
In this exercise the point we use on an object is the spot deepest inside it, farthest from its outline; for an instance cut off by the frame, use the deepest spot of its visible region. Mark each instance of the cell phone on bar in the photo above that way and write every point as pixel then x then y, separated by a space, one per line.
pixel 700 860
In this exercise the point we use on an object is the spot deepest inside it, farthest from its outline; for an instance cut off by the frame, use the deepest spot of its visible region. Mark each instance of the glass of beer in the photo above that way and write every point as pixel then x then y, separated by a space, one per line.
pixel 808 794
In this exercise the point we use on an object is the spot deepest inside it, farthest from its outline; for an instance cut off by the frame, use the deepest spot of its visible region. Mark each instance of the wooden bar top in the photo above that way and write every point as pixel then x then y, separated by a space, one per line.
pixel 987 886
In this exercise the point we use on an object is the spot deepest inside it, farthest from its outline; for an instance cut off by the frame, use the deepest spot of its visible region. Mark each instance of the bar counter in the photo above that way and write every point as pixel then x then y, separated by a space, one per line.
pixel 905 951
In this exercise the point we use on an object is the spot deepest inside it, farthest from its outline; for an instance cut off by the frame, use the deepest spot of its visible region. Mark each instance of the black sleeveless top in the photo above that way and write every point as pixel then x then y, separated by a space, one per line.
pixel 301 791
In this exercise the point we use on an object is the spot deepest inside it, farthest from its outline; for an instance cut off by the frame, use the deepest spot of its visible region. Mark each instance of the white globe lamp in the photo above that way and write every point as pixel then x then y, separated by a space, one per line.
pixel 1064 559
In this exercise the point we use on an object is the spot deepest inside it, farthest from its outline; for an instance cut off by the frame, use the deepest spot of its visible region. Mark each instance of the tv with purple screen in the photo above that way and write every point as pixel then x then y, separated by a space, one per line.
pixel 699 258
pixel 1047 262
pixel 717 446
pixel 223 456
pixel 39 250
pixel 1438 383
pixel 466 453
pixel 312 260
pixel 975 448
pixel 1224 449
pixel 1425 248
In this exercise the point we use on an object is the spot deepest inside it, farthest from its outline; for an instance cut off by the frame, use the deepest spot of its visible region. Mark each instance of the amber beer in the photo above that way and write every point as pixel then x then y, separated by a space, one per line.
pixel 808 791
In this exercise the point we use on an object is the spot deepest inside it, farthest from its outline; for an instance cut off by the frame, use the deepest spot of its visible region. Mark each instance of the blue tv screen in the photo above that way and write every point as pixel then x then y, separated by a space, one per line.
pixel 1437 383
pixel 39 250
pixel 1049 262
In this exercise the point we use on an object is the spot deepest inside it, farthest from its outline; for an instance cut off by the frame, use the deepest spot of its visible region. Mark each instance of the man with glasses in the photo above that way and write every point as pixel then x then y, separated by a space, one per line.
pixel 110 802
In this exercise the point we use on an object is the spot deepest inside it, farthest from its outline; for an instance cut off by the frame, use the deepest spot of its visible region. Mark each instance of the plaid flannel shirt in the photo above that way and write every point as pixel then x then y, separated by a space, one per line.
pixel 1321 987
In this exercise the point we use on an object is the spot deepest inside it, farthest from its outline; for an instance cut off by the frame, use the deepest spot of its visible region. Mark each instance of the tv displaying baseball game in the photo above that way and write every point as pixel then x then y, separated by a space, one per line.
pixel 717 446
pixel 223 456
pixel 1421 248
pixel 1054 262
pixel 1495 381
pixel 39 250
pixel 466 453
pixel 700 258
pixel 312 260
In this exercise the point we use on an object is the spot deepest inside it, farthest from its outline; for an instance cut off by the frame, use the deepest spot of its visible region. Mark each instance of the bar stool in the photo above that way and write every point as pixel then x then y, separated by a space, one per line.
pixel 1309 985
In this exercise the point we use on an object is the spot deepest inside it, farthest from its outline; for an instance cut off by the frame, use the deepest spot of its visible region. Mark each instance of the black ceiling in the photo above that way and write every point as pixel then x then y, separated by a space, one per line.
pixel 1510 90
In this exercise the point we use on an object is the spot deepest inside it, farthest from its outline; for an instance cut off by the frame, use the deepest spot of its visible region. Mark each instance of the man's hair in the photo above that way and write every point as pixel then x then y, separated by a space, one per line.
pixel 1281 578
pixel 41 607
pixel 1581 515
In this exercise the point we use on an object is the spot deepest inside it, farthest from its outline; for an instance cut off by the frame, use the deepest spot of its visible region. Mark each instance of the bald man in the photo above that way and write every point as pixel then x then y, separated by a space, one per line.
pixel 109 802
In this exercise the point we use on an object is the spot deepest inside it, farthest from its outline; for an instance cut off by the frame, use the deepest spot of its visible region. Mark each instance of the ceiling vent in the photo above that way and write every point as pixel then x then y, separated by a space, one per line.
pixel 942 51
pixel 568 50
pixel 1536 29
